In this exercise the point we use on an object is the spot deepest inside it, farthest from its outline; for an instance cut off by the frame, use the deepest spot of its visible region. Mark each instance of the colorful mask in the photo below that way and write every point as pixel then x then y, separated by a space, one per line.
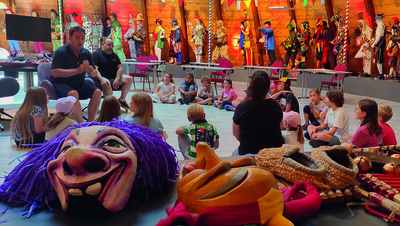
pixel 110 164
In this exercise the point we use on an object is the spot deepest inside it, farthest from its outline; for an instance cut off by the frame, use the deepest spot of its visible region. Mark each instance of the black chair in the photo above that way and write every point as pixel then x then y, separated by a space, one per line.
pixel 8 87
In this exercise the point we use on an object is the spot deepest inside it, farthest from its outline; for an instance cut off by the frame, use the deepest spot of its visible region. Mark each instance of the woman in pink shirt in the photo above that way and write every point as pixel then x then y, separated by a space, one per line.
pixel 370 133
pixel 227 96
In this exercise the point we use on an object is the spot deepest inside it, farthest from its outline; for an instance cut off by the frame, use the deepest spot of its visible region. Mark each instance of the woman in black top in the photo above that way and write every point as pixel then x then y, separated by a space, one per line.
pixel 256 121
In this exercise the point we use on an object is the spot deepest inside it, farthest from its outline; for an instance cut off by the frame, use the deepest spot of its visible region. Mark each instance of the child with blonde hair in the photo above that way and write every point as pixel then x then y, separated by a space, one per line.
pixel 165 91
pixel 227 96
pixel 293 135
pixel 384 115
pixel 110 109
pixel 200 131
pixel 206 93
pixel 62 119
pixel 142 107
pixel 27 126
pixel 188 89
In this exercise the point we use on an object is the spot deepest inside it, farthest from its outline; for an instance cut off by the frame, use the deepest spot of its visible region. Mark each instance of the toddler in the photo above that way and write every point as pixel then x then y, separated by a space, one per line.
pixel 206 93
pixel 188 89
pixel 110 109
pixel 64 108
pixel 165 91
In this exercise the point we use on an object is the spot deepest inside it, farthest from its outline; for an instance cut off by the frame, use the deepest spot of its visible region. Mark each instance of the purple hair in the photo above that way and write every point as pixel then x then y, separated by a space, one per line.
pixel 28 183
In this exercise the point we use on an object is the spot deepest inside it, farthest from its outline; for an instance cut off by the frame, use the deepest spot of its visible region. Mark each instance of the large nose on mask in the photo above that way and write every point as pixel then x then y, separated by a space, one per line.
pixel 79 161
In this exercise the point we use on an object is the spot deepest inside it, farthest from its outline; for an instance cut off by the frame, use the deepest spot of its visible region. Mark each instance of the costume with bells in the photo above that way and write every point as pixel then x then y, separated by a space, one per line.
pixel 304 40
pixel 97 31
pixel 379 44
pixel 291 45
pixel 175 42
pixel 87 25
pixel 364 37
pixel 116 35
pixel 55 29
pixel 158 35
pixel 13 44
pixel 393 47
pixel 321 38
pixel 198 38
pixel 247 40
pixel 128 36
pixel 138 35
pixel 338 41
pixel 221 48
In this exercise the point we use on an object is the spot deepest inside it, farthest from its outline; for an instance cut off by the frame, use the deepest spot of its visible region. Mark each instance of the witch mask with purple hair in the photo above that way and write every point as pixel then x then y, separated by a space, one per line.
pixel 106 162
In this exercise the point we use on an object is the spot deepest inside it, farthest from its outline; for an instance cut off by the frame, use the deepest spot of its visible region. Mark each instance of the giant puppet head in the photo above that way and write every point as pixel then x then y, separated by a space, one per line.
pixel 104 164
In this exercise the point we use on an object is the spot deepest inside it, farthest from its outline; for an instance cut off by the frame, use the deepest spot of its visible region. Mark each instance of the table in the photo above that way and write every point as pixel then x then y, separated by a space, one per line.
pixel 252 68
pixel 195 67
pixel 204 64
pixel 28 68
pixel 152 64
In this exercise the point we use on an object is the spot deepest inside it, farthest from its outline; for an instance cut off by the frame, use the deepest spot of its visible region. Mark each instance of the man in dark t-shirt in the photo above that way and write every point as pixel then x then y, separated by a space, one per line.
pixel 110 73
pixel 70 64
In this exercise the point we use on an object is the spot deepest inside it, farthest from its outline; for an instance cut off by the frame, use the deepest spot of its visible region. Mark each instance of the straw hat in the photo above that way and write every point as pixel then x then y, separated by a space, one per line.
pixel 139 17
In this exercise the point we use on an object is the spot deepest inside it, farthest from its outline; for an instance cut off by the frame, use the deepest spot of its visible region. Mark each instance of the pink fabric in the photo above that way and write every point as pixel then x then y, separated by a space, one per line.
pixel 363 139
pixel 389 138
pixel 231 93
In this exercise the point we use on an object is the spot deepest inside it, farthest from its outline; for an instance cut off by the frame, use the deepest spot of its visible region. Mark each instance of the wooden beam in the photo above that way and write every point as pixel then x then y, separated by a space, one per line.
pixel 329 14
pixel 103 10
pixel 369 5
pixel 146 26
pixel 292 13
pixel 256 19
pixel 218 9
pixel 185 42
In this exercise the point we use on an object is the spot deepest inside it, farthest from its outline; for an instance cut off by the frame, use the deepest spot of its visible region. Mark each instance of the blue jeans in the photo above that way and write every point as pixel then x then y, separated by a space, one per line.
pixel 187 100
pixel 313 120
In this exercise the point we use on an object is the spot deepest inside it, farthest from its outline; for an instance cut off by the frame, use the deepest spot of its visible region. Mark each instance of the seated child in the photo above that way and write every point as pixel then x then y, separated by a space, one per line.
pixel 188 89
pixel 110 109
pixel 206 93
pixel 293 131
pixel 199 130
pixel 384 115
pixel 165 91
pixel 227 96
pixel 272 89
pixel 64 108
pixel 142 107
pixel 315 111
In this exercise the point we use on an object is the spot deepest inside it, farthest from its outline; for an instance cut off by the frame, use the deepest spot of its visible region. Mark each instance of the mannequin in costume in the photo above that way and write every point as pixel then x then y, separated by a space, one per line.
pixel 248 40
pixel 269 41
pixel 364 37
pixel 55 29
pixel 70 24
pixel 13 44
pixel 304 40
pixel 393 48
pixel 128 36
pixel 158 35
pixel 116 35
pixel 175 42
pixel 139 35
pixel 198 38
pixel 338 41
pixel 38 45
pixel 87 25
pixel 97 31
pixel 241 44
pixel 328 45
pixel 107 27
pixel 291 45
pixel 221 48
pixel 379 44
pixel 321 39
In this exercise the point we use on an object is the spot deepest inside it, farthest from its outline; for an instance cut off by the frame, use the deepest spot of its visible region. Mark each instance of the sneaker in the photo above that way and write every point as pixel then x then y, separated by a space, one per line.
pixel 180 100
pixel 123 104
pixel 229 107
pixel 210 103
pixel 220 107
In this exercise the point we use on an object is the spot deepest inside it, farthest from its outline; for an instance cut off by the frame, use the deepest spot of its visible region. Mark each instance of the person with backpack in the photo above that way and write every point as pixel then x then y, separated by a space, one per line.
pixel 199 130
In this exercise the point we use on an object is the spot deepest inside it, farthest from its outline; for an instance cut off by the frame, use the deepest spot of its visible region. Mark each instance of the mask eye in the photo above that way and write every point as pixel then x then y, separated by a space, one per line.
pixel 112 143
pixel 113 146
pixel 65 148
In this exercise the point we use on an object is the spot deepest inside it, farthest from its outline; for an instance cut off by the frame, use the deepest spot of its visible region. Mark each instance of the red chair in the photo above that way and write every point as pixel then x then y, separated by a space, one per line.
pixel 276 71
pixel 143 71
pixel 219 76
pixel 336 79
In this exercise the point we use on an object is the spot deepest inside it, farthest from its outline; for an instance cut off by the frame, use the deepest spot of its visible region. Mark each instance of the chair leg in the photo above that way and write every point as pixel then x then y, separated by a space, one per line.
pixel 6 114
pixel 148 80
pixel 215 85
pixel 134 84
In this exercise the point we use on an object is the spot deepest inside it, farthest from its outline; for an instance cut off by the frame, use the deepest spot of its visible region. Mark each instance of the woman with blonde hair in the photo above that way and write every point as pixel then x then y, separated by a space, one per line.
pixel 110 109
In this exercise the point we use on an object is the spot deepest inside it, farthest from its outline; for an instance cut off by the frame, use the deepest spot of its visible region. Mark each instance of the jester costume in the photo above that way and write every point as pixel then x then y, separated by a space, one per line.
pixel 221 49
pixel 116 35
pixel 55 30
pixel 392 48
pixel 291 45
pixel 304 40
pixel 322 46
pixel 363 39
pixel 97 32
pixel 87 25
pixel 13 44
pixel 269 41
pixel 158 35
pixel 379 44
pixel 247 42
pixel 175 44
pixel 139 35
pixel 339 49
pixel 128 36
pixel 198 39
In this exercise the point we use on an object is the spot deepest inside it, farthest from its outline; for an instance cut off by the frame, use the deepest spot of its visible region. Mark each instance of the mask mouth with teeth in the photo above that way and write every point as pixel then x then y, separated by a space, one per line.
pixel 104 164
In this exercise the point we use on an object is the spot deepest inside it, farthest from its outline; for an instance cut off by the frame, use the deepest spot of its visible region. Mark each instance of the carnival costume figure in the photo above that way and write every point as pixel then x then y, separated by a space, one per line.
pixel 70 24
pixel 338 42
pixel 269 41
pixel 158 35
pixel 139 35
pixel 393 48
pixel 364 38
pixel 13 44
pixel 321 39
pixel 87 25
pixel 248 40
pixel 291 45
pixel 55 29
pixel 198 38
pixel 128 36
pixel 175 42
pixel 379 44
pixel 97 31
pixel 116 35
pixel 221 48
pixel 304 40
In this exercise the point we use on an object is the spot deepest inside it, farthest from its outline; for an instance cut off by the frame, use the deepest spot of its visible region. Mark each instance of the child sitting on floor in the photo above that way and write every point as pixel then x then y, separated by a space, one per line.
pixel 206 93
pixel 110 109
pixel 227 96
pixel 62 119
pixel 315 111
pixel 293 131
pixel 199 130
pixel 384 115
pixel 188 89
pixel 165 91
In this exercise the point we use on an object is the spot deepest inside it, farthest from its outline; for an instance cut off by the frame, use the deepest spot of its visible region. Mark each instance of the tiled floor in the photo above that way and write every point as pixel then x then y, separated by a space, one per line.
pixel 174 115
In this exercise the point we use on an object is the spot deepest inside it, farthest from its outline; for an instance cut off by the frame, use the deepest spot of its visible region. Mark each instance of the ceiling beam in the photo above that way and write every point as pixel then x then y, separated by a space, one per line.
pixel 146 26
pixel 184 36
pixel 256 31
pixel 369 5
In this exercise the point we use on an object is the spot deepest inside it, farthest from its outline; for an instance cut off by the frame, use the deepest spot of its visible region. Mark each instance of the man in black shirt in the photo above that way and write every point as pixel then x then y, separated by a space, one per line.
pixel 70 64
pixel 110 73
